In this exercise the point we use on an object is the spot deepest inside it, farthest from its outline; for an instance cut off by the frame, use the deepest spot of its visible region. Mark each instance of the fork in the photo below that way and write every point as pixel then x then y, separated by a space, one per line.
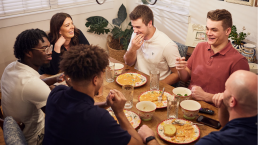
pixel 160 97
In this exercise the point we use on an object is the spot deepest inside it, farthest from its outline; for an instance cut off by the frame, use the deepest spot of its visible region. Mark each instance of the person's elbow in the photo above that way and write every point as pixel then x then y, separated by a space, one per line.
pixel 128 61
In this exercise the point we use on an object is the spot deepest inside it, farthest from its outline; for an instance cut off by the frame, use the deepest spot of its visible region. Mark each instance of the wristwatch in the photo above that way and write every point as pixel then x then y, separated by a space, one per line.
pixel 149 139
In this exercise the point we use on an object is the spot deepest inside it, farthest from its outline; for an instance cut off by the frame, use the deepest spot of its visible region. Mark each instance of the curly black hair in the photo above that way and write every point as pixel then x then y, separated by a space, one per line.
pixel 83 62
pixel 26 40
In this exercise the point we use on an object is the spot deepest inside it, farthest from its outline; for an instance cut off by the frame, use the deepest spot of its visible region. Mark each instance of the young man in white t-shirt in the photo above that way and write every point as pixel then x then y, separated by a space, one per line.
pixel 150 48
pixel 24 94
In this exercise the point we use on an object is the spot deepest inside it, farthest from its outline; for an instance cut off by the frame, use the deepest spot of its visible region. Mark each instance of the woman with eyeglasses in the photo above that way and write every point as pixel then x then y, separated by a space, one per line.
pixel 63 34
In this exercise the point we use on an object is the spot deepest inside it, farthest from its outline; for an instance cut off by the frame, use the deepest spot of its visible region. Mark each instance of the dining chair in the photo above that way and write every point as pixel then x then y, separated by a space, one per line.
pixel 12 132
pixel 182 51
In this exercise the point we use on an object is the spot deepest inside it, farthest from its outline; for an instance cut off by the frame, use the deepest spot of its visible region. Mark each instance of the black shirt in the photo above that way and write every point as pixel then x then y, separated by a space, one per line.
pixel 72 119
pixel 54 63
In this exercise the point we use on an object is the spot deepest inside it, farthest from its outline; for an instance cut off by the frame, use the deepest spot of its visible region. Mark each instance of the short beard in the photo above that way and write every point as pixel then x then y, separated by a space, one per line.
pixel 47 65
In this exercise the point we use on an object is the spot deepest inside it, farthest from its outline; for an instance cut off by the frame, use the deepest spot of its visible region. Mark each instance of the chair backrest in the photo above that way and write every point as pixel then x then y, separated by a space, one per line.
pixel 182 49
pixel 12 133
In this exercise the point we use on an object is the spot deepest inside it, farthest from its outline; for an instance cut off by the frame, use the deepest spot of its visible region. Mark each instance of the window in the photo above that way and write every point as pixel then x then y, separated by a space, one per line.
pixel 10 7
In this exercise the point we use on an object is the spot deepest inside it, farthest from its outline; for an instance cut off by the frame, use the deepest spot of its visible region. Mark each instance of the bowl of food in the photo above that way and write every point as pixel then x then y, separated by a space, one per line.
pixel 183 93
pixel 146 109
pixel 190 108
pixel 118 68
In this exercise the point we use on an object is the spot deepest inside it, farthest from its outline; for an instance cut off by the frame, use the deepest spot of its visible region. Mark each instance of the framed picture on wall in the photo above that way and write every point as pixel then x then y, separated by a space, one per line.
pixel 196 33
pixel 242 2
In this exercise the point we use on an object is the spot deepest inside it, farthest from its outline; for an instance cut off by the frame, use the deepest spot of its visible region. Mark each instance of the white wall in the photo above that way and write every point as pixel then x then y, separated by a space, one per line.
pixel 9 34
pixel 242 16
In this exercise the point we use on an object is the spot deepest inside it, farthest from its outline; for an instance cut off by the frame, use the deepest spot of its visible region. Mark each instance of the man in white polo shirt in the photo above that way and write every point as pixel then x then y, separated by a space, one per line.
pixel 150 48
pixel 24 94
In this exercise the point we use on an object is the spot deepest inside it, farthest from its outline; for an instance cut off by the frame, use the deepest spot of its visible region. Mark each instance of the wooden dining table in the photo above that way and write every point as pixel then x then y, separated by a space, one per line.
pixel 160 114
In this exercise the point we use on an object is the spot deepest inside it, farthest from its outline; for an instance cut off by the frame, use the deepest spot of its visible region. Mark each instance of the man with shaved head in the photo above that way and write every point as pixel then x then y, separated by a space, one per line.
pixel 237 113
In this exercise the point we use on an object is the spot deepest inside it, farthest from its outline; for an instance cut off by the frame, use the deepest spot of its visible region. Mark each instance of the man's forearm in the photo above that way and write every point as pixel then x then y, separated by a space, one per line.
pixel 125 124
pixel 171 79
pixel 101 104
pixel 208 97
pixel 153 142
pixel 130 57
pixel 184 75
pixel 50 81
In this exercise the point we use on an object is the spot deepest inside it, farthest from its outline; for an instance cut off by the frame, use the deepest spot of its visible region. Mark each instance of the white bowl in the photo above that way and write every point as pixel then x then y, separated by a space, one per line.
pixel 184 92
pixel 190 108
pixel 146 109
pixel 118 68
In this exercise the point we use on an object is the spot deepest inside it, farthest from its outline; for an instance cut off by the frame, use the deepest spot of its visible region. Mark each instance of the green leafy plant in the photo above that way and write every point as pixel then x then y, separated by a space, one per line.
pixel 99 25
pixel 237 37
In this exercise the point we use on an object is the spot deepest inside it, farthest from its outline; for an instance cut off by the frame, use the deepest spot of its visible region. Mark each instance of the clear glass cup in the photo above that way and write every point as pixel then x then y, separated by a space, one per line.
pixel 172 107
pixel 154 79
pixel 110 72
pixel 127 91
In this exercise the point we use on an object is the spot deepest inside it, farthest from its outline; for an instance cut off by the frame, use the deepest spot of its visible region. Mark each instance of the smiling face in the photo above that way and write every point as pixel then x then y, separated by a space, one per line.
pixel 39 57
pixel 215 33
pixel 140 28
pixel 67 29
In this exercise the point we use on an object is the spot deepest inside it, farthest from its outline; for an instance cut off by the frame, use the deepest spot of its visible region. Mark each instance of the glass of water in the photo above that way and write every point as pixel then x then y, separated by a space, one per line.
pixel 110 72
pixel 154 79
pixel 127 91
pixel 172 106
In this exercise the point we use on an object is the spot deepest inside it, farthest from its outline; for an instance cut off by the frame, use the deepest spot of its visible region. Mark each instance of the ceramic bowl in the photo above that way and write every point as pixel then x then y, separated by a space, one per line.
pixel 190 108
pixel 118 68
pixel 146 109
pixel 183 93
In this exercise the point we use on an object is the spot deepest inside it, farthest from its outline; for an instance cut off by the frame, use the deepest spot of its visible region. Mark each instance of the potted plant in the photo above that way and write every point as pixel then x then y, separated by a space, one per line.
pixel 118 42
pixel 238 38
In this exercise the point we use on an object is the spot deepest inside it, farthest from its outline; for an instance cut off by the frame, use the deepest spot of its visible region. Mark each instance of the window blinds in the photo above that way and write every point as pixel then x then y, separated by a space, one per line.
pixel 9 7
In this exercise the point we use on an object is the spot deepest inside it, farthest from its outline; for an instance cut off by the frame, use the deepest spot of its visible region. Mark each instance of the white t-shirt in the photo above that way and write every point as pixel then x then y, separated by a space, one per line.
pixel 158 52
pixel 23 96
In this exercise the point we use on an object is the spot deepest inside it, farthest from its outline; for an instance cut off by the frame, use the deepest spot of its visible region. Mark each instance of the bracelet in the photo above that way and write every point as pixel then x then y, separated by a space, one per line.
pixel 148 139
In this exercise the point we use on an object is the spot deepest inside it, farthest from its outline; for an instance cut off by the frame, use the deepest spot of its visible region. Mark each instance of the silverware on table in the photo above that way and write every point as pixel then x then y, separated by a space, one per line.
pixel 160 97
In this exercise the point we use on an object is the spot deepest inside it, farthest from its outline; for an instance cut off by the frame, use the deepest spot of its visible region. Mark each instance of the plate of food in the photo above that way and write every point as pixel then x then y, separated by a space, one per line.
pixel 134 79
pixel 132 117
pixel 178 131
pixel 153 97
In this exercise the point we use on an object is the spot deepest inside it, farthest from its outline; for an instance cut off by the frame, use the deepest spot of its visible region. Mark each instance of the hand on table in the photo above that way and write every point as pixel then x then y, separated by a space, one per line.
pixel 217 99
pixel 145 132
pixel 117 102
pixel 198 93
pixel 137 41
pixel 181 63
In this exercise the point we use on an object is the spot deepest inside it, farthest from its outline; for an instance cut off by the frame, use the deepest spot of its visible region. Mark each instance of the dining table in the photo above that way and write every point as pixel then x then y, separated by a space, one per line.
pixel 160 113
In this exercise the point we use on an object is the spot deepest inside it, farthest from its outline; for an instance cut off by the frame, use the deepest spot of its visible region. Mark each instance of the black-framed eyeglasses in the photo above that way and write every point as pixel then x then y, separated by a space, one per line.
pixel 47 49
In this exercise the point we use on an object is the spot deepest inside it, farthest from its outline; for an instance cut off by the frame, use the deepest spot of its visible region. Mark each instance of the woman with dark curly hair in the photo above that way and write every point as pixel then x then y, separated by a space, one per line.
pixel 63 34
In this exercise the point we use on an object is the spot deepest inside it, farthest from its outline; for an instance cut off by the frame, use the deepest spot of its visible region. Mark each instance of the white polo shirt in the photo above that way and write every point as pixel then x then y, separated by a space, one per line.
pixel 158 52
pixel 23 96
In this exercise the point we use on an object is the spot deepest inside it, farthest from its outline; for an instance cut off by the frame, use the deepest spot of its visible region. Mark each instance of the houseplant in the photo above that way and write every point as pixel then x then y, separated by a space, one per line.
pixel 238 38
pixel 120 37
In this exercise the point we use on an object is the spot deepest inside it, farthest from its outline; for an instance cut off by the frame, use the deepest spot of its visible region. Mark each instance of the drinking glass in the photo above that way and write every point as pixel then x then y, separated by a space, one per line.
pixel 127 91
pixel 110 72
pixel 172 107
pixel 154 79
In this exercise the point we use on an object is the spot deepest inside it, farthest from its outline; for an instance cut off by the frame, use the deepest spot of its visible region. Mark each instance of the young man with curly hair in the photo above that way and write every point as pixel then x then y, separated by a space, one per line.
pixel 150 48
pixel 24 94
pixel 212 62
pixel 72 116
